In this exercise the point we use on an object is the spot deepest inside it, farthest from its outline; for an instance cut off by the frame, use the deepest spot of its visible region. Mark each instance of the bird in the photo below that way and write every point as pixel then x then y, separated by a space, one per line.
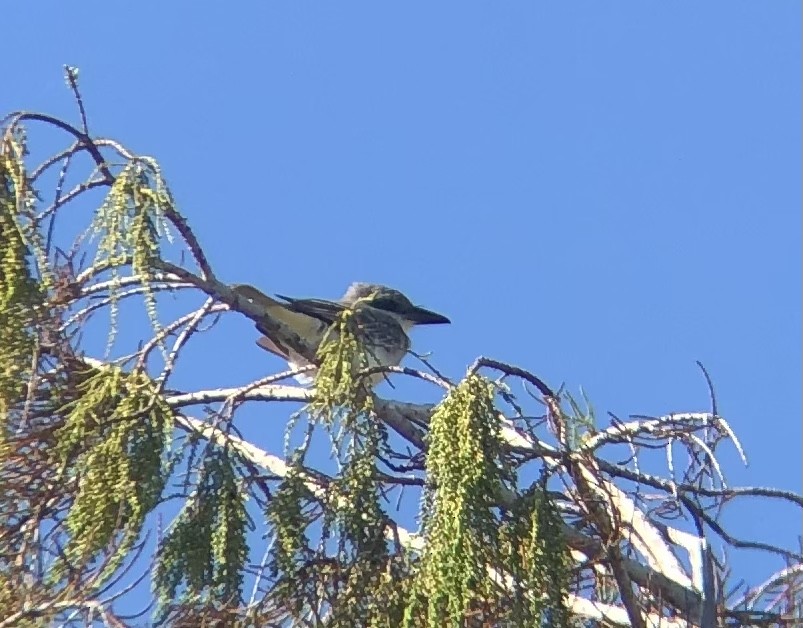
pixel 383 318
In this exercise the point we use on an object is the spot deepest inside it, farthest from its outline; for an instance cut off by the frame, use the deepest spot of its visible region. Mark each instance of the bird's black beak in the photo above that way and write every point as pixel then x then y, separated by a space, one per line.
pixel 420 316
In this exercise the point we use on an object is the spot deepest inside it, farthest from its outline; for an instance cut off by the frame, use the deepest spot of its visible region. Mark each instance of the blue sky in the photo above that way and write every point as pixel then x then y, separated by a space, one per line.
pixel 601 193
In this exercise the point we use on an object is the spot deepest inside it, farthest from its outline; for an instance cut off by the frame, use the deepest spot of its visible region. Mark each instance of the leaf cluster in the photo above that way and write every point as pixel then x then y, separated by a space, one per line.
pixel 112 449
pixel 204 551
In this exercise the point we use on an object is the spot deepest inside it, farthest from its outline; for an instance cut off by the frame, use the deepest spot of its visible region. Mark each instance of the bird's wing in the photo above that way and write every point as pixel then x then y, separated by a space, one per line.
pixel 302 324
pixel 323 310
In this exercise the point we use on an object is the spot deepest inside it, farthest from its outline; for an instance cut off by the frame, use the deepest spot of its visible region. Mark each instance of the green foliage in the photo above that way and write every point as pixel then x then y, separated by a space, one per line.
pixel 19 292
pixel 355 513
pixel 206 549
pixel 129 225
pixel 464 478
pixel 286 514
pixel 353 521
pixel 580 422
pixel 537 558
pixel 390 594
pixel 340 391
pixel 112 447
pixel 517 571
pixel 366 578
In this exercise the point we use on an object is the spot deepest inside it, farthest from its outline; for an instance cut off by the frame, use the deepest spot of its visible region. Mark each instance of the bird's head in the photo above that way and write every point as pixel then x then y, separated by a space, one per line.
pixel 391 302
